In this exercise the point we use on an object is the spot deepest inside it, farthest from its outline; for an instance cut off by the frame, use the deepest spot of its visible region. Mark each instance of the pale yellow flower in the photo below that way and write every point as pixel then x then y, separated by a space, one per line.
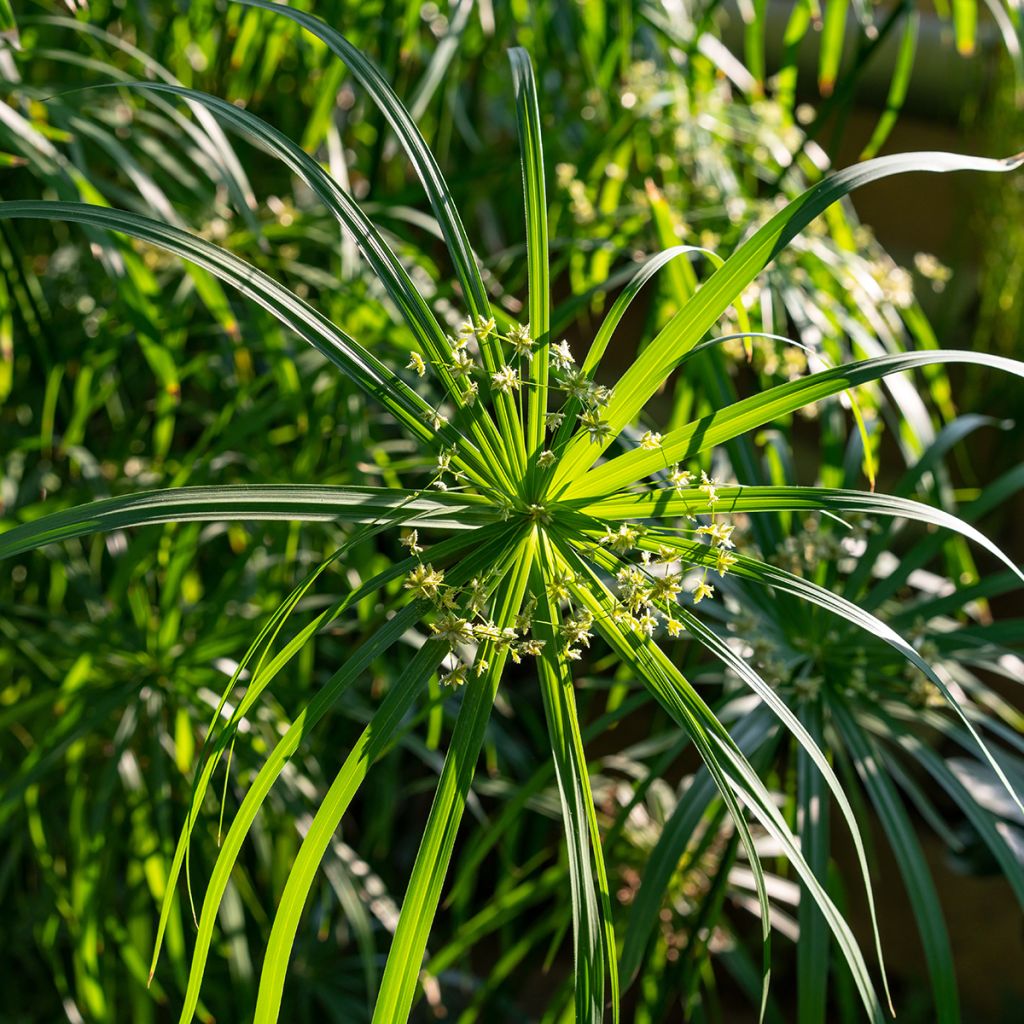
pixel 425 581
pixel 506 380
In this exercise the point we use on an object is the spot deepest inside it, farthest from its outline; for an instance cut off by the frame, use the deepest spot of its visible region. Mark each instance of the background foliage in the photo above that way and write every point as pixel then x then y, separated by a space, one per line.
pixel 123 369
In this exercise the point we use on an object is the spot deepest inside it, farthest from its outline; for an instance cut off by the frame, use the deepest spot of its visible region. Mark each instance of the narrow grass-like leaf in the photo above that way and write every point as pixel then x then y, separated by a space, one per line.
pixel 754 39
pixel 625 298
pixel 965 25
pixel 261 680
pixel 833 37
pixel 379 642
pixel 531 155
pixel 950 435
pixel 207 135
pixel 588 948
pixel 994 494
pixel 810 750
pixel 697 316
pixel 670 503
pixel 8 26
pixel 812 953
pixel 369 373
pixel 924 900
pixel 264 673
pixel 787 582
pixel 287 502
pixel 981 819
pixel 423 894
pixel 797 27
pixel 618 310
pixel 809 747
pixel 512 897
pixel 734 775
pixel 412 142
pixel 898 85
pixel 480 844
pixel 371 744
pixel 930 463
pixel 752 735
pixel 384 263
pixel 688 441
pixel 592 925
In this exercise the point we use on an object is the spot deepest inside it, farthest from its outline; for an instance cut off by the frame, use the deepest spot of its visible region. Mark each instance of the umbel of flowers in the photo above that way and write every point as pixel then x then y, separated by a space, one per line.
pixel 648 582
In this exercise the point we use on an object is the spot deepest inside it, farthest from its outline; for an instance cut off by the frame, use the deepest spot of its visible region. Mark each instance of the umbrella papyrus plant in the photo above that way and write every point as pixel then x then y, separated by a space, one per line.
pixel 556 514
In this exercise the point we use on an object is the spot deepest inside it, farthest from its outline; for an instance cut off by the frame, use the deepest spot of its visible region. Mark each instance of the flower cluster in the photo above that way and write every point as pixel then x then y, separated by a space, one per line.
pixel 461 618
pixel 647 591
pixel 579 388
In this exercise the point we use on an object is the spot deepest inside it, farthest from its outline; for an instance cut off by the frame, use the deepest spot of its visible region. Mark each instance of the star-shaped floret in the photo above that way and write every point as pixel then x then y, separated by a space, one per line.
pixel 520 340
pixel 621 540
pixel 597 428
pixel 452 629
pixel 412 541
pixel 425 581
pixel 506 380
pixel 561 357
